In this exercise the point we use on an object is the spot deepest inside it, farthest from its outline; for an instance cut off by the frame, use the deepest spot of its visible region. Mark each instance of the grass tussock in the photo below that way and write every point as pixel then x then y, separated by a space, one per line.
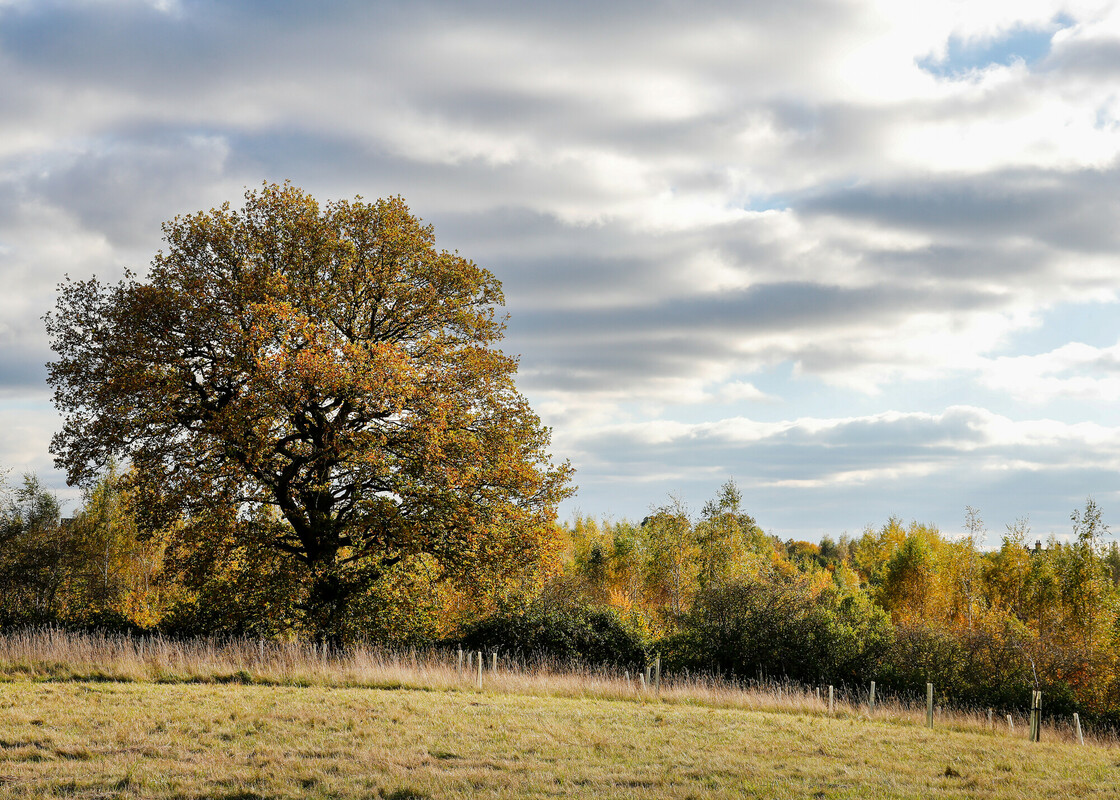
pixel 54 655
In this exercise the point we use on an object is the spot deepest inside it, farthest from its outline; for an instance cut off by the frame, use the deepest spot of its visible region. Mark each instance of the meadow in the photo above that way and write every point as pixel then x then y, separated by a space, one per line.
pixel 104 716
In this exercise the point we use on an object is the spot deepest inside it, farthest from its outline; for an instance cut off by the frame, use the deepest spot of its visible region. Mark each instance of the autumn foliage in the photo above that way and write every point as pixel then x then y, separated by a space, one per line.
pixel 313 393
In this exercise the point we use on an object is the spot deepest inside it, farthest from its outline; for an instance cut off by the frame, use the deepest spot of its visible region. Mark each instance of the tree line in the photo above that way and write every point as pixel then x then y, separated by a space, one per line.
pixel 901 603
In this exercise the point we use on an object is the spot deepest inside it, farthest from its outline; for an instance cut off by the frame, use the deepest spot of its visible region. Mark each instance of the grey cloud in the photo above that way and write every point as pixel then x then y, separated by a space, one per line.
pixel 384 58
pixel 122 43
pixel 1066 210
pixel 964 263
pixel 22 369
pixel 702 458
pixel 802 453
pixel 618 346
pixel 131 45
pixel 1096 59
pixel 768 307
pixel 126 186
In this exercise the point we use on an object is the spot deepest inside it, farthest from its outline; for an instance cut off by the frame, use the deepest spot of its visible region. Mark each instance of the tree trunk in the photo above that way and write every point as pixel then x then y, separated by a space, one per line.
pixel 327 605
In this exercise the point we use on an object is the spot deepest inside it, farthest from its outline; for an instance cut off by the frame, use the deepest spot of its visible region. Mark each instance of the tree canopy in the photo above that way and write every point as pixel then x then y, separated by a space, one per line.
pixel 319 376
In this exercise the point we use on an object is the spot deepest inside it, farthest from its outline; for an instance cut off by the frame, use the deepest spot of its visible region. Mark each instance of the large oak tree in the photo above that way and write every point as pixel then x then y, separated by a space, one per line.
pixel 324 369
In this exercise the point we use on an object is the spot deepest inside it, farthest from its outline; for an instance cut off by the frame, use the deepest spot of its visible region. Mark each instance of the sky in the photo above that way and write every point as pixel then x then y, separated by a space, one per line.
pixel 861 257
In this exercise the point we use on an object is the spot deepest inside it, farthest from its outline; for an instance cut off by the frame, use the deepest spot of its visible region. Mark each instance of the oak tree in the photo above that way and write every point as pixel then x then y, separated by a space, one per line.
pixel 323 372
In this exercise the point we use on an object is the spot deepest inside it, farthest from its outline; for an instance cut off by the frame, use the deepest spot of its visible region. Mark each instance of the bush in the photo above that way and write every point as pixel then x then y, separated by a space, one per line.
pixel 924 653
pixel 987 666
pixel 781 627
pixel 562 632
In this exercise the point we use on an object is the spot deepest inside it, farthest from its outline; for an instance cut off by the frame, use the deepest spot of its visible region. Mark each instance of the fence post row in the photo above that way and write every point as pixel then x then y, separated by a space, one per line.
pixel 651 678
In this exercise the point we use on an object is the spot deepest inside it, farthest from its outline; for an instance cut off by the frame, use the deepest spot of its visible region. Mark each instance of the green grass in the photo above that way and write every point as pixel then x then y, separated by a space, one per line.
pixel 195 740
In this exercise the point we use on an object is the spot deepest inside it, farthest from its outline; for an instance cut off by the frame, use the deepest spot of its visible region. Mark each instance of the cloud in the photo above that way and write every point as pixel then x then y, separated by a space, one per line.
pixel 860 470
pixel 122 186
pixel 1058 211
pixel 1074 370
pixel 702 216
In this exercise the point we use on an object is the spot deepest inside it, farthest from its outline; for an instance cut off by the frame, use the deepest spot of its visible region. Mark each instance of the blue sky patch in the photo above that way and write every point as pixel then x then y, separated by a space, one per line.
pixel 965 55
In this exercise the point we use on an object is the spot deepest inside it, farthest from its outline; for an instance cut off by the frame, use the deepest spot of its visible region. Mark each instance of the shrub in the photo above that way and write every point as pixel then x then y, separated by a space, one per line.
pixel 781 627
pixel 567 632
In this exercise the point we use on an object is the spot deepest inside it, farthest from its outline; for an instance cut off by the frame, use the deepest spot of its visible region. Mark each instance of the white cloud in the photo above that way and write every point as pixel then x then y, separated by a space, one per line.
pixel 1073 370
pixel 737 391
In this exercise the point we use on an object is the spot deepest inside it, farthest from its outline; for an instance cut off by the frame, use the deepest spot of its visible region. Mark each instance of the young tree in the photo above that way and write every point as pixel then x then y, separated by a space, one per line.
pixel 325 364
pixel 966 561
pixel 1006 571
pixel 36 556
pixel 1082 577
pixel 115 580
pixel 729 540
pixel 672 567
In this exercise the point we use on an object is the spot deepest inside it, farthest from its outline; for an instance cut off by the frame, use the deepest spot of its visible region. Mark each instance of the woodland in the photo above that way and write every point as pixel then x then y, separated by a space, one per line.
pixel 712 593
pixel 300 425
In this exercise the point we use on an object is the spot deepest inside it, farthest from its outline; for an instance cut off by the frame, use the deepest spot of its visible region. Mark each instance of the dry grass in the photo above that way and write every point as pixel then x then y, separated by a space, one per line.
pixel 60 655
pixel 101 717
pixel 143 740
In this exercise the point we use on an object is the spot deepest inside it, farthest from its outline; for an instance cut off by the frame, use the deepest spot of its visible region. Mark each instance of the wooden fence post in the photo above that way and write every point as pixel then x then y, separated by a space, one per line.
pixel 831 704
pixel 460 661
pixel 1036 717
pixel 1077 728
pixel 479 669
pixel 871 699
pixel 494 663
pixel 657 674
pixel 1010 724
pixel 929 705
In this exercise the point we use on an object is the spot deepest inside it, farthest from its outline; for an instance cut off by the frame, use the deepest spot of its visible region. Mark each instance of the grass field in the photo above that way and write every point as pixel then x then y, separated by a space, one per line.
pixel 103 717
pixel 79 739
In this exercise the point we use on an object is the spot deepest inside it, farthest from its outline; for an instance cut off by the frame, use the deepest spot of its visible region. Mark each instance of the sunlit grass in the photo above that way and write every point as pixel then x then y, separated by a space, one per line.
pixel 196 740
pixel 112 716
pixel 51 654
